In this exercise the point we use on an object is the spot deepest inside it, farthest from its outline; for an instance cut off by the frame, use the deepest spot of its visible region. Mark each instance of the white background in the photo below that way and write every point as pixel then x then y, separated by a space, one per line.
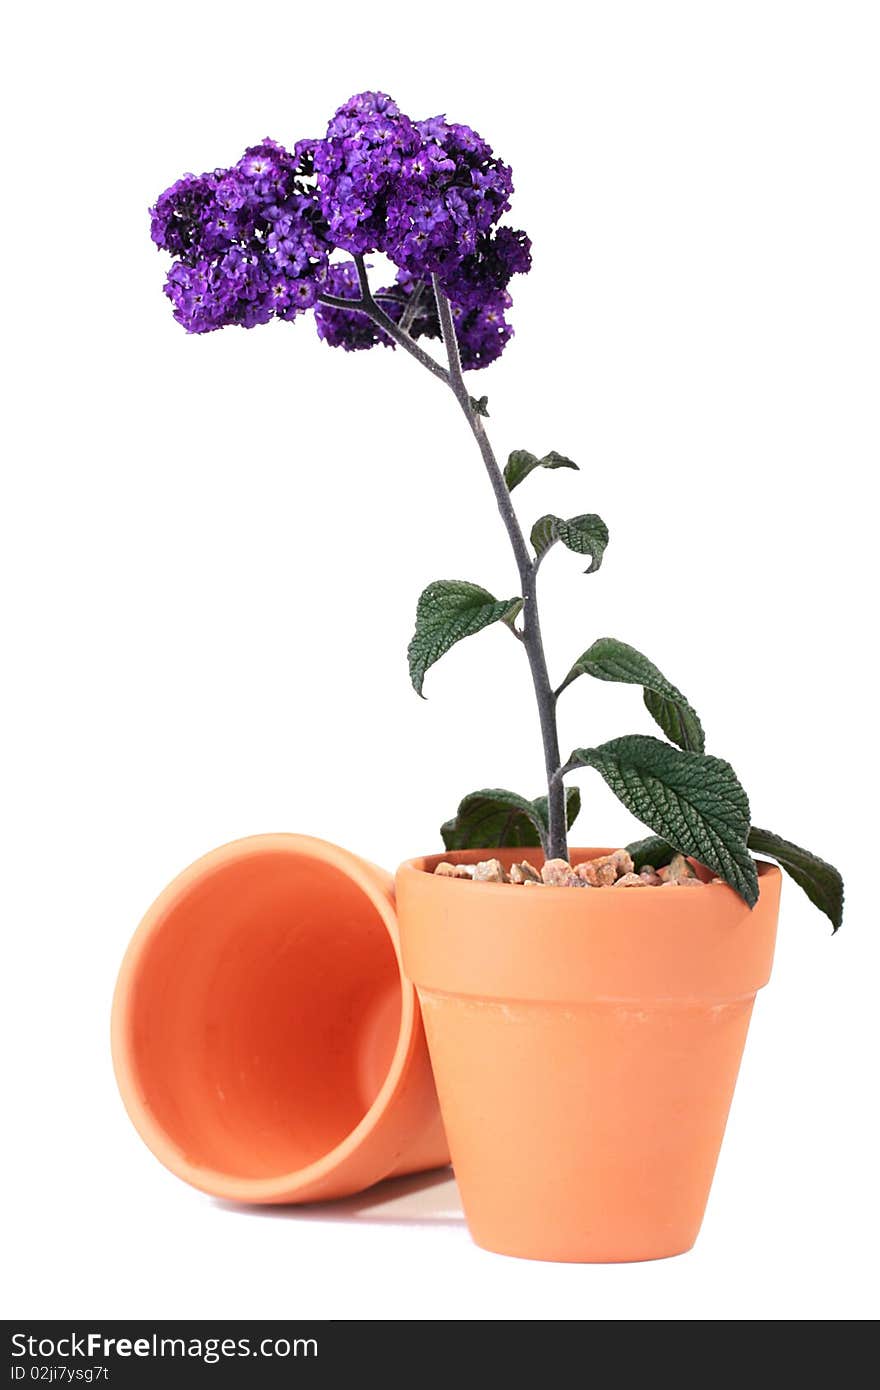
pixel 212 550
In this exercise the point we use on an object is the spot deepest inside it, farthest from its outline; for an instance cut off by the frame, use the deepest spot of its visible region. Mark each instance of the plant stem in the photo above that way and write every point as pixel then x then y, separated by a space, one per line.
pixel 556 846
pixel 528 573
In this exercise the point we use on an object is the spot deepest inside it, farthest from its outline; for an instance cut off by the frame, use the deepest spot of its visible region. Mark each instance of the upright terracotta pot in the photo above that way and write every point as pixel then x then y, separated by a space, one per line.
pixel 585 1045
pixel 266 1043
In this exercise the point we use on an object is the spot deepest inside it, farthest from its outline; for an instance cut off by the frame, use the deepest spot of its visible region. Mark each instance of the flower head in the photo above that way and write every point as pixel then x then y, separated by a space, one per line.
pixel 428 194
pixel 448 196
pixel 358 165
pixel 250 242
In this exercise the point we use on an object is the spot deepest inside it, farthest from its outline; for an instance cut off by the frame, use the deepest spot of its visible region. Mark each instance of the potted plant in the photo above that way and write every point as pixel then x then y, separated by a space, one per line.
pixel 585 1038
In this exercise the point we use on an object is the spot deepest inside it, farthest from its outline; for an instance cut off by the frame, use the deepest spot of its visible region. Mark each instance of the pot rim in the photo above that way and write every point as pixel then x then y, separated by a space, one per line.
pixel 283 1186
pixel 495 941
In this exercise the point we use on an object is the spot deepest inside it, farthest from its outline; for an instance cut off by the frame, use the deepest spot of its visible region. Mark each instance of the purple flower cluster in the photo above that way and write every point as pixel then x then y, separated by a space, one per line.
pixel 427 193
pixel 253 242
pixel 359 165
pixel 482 331
pixel 249 241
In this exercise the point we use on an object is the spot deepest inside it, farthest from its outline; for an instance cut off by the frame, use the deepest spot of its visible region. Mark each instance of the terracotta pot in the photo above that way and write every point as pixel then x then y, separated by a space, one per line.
pixel 585 1045
pixel 266 1043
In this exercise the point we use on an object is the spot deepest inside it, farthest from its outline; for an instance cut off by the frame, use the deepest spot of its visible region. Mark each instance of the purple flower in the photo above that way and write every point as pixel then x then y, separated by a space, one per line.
pixel 483 333
pixel 358 166
pixel 485 268
pixel 181 214
pixel 231 193
pixel 449 195
pixel 250 241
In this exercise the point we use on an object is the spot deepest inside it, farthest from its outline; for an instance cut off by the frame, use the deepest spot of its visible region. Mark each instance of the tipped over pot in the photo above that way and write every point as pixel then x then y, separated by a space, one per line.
pixel 266 1044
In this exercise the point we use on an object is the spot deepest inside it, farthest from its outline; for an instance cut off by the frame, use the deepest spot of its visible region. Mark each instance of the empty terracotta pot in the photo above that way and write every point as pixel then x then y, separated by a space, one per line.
pixel 585 1046
pixel 266 1043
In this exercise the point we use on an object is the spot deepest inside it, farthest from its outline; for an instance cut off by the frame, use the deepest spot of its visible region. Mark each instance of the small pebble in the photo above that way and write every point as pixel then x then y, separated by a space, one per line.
pixel 622 862
pixel 605 871
pixel 524 873
pixel 586 872
pixel 597 873
pixel 489 871
pixel 557 873
pixel 677 870
pixel 602 872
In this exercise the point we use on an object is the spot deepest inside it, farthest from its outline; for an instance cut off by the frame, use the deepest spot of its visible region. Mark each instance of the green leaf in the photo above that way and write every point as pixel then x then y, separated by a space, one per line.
pixel 494 818
pixel 586 535
pixel 521 463
pixel 694 801
pixel 449 610
pixel 610 660
pixel 821 882
pixel 651 850
pixel 480 406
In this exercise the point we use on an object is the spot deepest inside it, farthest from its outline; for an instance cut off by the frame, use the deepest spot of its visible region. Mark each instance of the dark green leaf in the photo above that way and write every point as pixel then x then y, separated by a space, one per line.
pixel 480 406
pixel 586 535
pixel 521 463
pixel 821 882
pixel 494 818
pixel 449 610
pixel 678 720
pixel 610 660
pixel 651 850
pixel 694 801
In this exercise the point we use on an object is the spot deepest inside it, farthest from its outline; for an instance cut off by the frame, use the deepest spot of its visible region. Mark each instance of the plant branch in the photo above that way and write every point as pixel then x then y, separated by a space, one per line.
pixel 560 773
pixel 411 309
pixel 336 301
pixel 531 630
pixel 539 559
pixel 374 311
pixel 394 331
pixel 363 280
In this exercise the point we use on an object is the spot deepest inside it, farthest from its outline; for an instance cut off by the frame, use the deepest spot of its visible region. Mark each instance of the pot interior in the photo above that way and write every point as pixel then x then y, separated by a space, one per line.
pixel 265 1015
